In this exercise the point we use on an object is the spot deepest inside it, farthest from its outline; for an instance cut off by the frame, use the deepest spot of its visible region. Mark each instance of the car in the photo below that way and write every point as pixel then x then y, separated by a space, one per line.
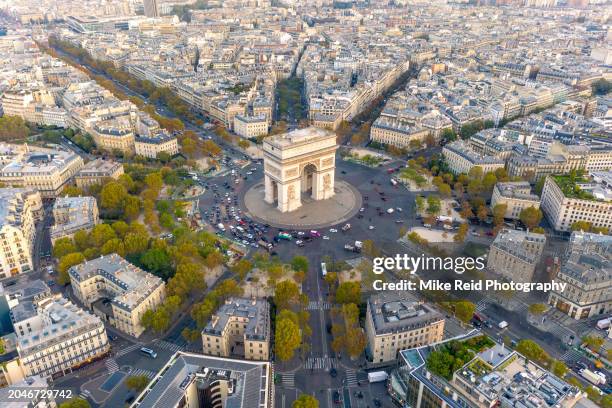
pixel 376 402
pixel 50 282
pixel 333 372
pixel 325 237
pixel 371 227
pixel 333 230
pixel 130 399
pixel 299 243
pixel 361 209
pixel 343 172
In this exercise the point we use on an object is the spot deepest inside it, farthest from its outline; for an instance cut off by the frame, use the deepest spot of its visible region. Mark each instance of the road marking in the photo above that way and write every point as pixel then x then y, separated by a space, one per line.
pixel 351 377
pixel 111 365
pixel 127 350
pixel 288 379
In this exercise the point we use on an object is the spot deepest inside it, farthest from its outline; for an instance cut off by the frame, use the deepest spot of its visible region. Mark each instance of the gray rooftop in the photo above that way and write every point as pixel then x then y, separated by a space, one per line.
pixel 251 381
pixel 257 311
pixel 395 313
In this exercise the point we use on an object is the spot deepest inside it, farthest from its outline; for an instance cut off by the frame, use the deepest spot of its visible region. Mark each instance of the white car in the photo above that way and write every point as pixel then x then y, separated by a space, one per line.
pixel 371 227
pixel 361 209
pixel 249 173
pixel 333 230
pixel 399 209
pixel 325 237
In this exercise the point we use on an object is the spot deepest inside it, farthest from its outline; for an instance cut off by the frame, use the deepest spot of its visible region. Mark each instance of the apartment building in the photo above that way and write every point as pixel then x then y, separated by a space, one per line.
pixel 131 291
pixel 240 327
pixel 39 390
pixel 395 322
pixel 250 126
pixel 516 196
pixel 396 133
pixel 97 171
pixel 45 170
pixel 151 147
pixel 114 135
pixel 495 376
pixel 587 271
pixel 198 381
pixel 460 158
pixel 565 201
pixel 72 214
pixel 58 337
pixel 515 254
pixel 20 209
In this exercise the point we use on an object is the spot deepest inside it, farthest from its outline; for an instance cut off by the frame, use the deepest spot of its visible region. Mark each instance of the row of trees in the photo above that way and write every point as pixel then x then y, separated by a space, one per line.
pixel 13 129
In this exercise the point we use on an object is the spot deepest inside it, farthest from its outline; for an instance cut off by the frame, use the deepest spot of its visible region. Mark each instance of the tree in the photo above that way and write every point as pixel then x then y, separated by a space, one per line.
pixel 102 233
pixel 537 308
pixel 559 368
pixel 420 203
pixel 539 185
pixel 73 191
pixel 433 205
pixel 461 233
pixel 531 217
pixel 594 343
pixel 157 261
pixel 63 246
pixel 466 210
pixel 464 310
pixel 474 187
pixel 499 211
pixel 121 228
pixel 305 401
pixel 368 248
pixel 601 86
pixel 65 263
pixel 475 173
pixel 444 190
pixel 299 263
pixel 356 341
pixel 581 226
pixel 532 351
pixel 288 337
pixel 75 403
pixel 286 293
pixel 161 320
pixel 137 382
pixel 213 259
pixel 112 197
pixel 349 292
pixel 127 182
pixel 228 288
pixel 242 268
pixel 482 213
pixel 488 182
pixel 113 246
pixel 13 129
pixel 136 243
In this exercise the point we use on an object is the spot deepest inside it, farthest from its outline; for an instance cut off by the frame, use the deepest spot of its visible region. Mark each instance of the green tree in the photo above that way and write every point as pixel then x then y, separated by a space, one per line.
pixel 136 243
pixel 73 191
pixel 112 197
pixel 356 341
pixel 601 86
pixel 102 233
pixel 531 217
pixel 137 382
pixel 63 246
pixel 305 401
pixel 533 351
pixel 299 263
pixel 537 308
pixel 229 288
pixel 464 310
pixel 349 292
pixel 445 190
pixel 476 173
pixel 420 203
pixel 121 228
pixel 581 226
pixel 482 213
pixel 65 263
pixel 286 294
pixel 157 261
pixel 287 335
pixel 113 246
pixel 594 343
pixel 242 268
pixel 75 403
pixel 488 182
pixel 499 211
pixel 461 233
pixel 559 368
pixel 433 205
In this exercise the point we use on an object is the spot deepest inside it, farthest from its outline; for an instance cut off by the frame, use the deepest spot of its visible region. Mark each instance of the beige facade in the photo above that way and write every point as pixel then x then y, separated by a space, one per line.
pixel 72 214
pixel 250 126
pixel 132 291
pixel 460 158
pixel 22 208
pixel 113 135
pixel 45 170
pixel 587 271
pixel 63 337
pixel 97 171
pixel 394 323
pixel 297 162
pixel 396 133
pixel 516 196
pixel 515 254
pixel 152 147
pixel 239 324
pixel 562 211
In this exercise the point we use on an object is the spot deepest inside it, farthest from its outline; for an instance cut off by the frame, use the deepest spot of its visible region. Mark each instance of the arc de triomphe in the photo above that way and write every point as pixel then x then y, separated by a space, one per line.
pixel 301 161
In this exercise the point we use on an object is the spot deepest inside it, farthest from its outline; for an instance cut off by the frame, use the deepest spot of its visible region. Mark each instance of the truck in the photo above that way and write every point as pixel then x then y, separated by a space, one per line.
pixel 221 227
pixel 596 378
pixel 444 218
pixel 604 324
pixel 265 245
pixel 503 324
pixel 285 236
pixel 377 376
pixel 346 227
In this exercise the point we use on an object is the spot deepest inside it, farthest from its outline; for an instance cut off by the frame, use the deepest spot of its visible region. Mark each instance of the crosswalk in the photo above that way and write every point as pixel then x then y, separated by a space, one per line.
pixel 318 305
pixel 111 365
pixel 127 350
pixel 166 345
pixel 571 355
pixel 142 371
pixel 288 379
pixel 560 331
pixel 351 377
pixel 85 394
pixel 482 304
pixel 320 363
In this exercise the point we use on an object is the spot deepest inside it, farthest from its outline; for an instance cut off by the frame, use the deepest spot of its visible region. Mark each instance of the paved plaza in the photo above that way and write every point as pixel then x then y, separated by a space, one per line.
pixel 312 214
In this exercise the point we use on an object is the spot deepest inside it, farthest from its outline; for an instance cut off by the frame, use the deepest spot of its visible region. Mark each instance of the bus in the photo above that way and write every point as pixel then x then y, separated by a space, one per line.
pixel 148 352
pixel 323 269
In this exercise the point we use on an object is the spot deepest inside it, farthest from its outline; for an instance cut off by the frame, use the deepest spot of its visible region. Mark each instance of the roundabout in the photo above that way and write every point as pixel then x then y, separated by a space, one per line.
pixel 342 206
